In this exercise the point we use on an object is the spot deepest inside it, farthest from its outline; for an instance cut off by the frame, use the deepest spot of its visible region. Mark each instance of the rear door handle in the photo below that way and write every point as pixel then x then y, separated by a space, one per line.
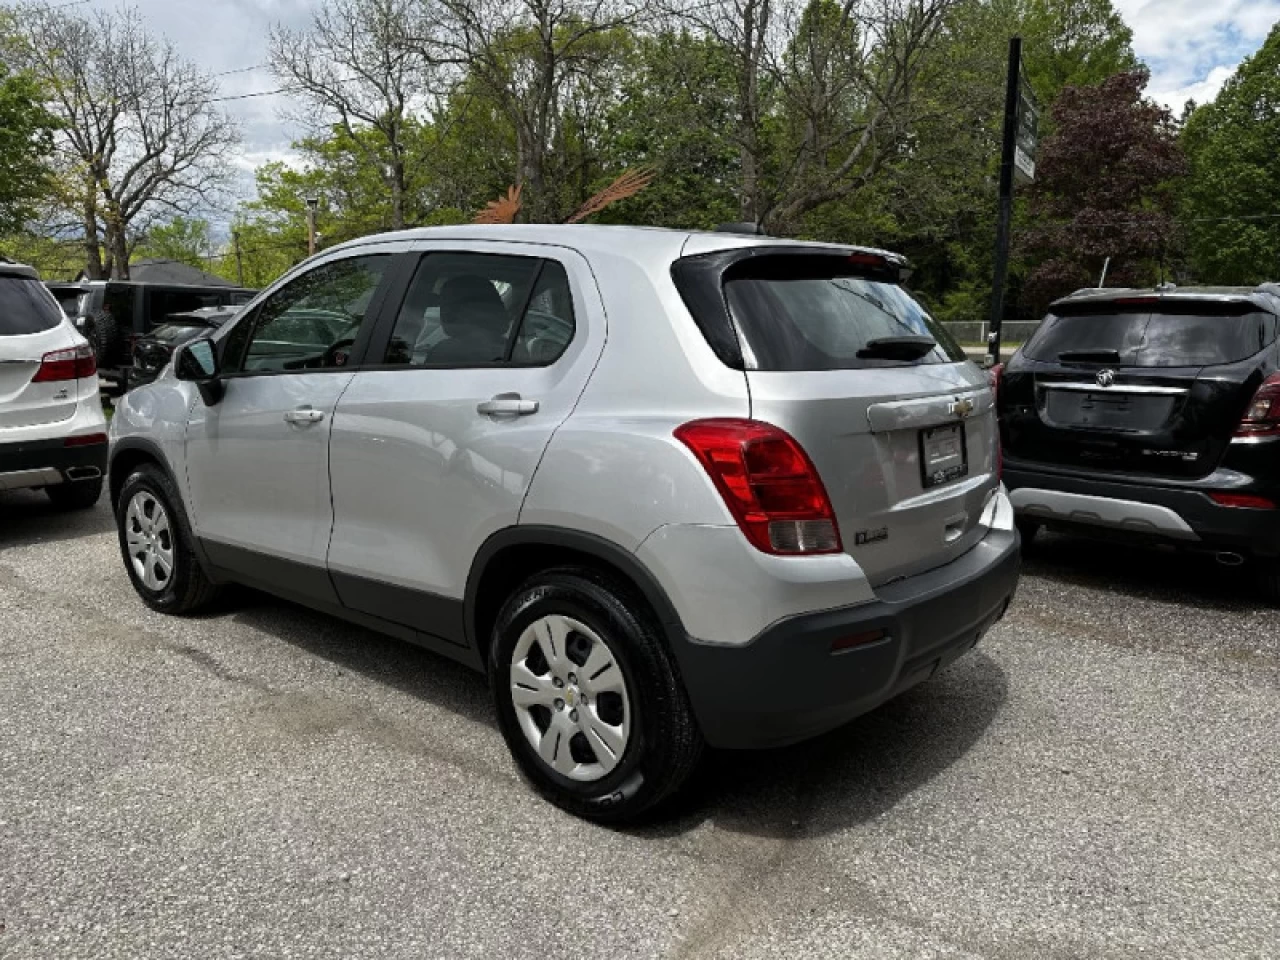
pixel 304 415
pixel 507 404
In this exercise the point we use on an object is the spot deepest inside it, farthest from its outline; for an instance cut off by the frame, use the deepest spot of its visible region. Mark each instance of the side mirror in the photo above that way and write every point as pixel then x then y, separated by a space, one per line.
pixel 197 362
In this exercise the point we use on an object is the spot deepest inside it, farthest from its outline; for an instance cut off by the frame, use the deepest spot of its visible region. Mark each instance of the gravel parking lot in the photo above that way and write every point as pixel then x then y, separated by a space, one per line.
pixel 1101 778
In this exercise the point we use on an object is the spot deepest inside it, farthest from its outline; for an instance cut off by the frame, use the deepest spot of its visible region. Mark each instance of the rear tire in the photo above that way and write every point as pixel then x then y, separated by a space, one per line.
pixel 157 545
pixel 75 495
pixel 102 332
pixel 581 677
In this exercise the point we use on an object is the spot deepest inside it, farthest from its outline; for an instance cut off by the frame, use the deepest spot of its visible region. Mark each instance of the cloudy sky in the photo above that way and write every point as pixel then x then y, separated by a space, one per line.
pixel 1192 46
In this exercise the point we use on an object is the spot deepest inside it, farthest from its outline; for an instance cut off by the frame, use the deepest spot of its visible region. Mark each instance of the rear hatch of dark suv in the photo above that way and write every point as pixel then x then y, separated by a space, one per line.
pixel 1149 385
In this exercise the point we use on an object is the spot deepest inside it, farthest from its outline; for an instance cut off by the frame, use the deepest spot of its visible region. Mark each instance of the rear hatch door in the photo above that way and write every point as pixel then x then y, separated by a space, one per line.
pixel 1149 385
pixel 31 325
pixel 900 425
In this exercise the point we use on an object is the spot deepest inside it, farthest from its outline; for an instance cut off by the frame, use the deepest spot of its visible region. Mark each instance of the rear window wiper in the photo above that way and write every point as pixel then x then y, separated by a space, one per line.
pixel 1089 356
pixel 897 348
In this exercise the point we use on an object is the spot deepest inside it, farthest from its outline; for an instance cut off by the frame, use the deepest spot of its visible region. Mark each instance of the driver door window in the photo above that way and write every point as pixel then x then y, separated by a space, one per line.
pixel 311 323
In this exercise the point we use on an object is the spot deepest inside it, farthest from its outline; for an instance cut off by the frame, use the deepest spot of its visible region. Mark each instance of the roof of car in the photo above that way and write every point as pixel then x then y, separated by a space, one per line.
pixel 593 238
pixel 8 268
pixel 1264 295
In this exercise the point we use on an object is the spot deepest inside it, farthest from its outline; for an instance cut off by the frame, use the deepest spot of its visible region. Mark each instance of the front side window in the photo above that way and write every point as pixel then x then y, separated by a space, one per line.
pixel 310 323
pixel 475 310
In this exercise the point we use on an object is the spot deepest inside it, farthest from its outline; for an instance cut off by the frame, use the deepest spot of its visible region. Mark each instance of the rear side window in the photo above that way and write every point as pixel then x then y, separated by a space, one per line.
pixel 480 309
pixel 793 312
pixel 26 306
pixel 1188 337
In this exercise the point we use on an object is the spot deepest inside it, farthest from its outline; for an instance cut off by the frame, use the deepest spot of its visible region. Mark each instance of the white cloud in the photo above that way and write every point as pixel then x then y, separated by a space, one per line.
pixel 1193 46
pixel 1202 91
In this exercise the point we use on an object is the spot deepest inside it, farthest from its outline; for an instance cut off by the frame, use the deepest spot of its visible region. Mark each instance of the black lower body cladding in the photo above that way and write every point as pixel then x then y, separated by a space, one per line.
pixel 798 679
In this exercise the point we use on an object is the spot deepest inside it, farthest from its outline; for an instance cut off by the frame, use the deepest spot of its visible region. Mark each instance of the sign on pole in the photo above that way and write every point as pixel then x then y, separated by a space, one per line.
pixel 1017 159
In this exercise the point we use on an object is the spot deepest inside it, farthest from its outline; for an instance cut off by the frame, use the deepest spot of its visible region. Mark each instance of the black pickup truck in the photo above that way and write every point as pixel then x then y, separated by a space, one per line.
pixel 114 314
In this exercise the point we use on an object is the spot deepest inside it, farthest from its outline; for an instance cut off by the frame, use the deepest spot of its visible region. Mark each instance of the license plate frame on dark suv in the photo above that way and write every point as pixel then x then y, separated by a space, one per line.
pixel 944 455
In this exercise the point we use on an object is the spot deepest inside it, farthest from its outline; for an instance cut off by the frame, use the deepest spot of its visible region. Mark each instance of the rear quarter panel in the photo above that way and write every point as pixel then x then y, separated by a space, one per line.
pixel 614 468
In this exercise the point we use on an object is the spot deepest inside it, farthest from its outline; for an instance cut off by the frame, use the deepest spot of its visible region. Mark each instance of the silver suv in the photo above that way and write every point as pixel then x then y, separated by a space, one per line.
pixel 667 489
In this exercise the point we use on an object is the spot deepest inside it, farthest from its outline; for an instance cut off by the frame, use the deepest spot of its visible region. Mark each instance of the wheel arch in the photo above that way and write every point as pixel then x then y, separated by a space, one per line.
pixel 127 454
pixel 511 556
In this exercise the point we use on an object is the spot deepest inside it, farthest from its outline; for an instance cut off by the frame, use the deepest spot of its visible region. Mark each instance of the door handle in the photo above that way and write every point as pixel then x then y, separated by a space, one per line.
pixel 304 415
pixel 507 404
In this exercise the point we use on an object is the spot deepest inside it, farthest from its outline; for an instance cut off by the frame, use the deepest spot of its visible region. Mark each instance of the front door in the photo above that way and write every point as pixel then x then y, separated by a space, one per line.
pixel 258 460
pixel 435 450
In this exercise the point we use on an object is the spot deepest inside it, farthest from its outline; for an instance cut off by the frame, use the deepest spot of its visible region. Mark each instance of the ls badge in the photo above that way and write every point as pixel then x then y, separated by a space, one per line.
pixel 863 537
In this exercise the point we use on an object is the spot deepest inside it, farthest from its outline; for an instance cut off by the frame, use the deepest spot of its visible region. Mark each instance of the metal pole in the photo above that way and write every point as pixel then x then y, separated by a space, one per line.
pixel 1006 199
pixel 311 232
pixel 235 242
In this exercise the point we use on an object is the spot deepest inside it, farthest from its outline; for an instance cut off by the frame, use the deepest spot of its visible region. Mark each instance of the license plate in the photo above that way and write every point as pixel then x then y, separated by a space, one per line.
pixel 942 455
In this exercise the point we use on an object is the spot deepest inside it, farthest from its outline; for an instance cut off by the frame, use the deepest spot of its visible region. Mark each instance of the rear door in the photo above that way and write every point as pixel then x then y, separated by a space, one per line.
pixel 31 326
pixel 437 439
pixel 898 422
pixel 1150 385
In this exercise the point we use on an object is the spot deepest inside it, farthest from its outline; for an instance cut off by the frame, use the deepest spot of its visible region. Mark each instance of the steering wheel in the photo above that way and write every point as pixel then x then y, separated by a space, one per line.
pixel 330 357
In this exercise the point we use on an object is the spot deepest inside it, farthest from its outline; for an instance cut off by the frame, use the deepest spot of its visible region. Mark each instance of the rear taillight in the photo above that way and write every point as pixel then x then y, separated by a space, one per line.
pixel 85 440
pixel 769 484
pixel 74 363
pixel 1244 500
pixel 993 378
pixel 1262 416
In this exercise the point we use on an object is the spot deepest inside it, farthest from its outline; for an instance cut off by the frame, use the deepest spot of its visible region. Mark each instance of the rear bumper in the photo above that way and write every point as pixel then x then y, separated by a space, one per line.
pixel 1178 516
pixel 42 463
pixel 787 685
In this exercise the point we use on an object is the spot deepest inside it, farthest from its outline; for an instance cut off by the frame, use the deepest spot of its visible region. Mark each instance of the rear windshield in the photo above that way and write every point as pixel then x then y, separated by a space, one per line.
pixel 180 331
pixel 819 313
pixel 1164 339
pixel 26 307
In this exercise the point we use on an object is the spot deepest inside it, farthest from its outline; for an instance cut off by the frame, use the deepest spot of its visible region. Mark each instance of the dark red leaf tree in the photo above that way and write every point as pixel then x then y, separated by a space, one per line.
pixel 1103 188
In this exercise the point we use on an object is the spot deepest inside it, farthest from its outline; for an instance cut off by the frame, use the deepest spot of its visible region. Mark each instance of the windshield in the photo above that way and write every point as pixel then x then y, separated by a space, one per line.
pixel 26 307
pixel 1163 339
pixel 815 313
pixel 175 333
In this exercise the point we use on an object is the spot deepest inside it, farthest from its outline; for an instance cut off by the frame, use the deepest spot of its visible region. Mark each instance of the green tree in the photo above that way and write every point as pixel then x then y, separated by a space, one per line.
pixel 26 138
pixel 182 240
pixel 1233 145
pixel 1104 189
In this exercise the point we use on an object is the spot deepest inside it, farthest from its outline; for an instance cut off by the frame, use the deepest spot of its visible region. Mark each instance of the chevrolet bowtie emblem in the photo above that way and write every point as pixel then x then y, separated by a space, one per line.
pixel 961 407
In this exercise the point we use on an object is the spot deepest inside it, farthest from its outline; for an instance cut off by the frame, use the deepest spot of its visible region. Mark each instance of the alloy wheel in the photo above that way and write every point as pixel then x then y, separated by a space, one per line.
pixel 149 537
pixel 570 698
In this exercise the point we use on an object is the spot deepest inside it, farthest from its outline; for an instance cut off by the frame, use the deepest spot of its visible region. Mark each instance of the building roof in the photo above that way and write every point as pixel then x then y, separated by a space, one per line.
pixel 171 272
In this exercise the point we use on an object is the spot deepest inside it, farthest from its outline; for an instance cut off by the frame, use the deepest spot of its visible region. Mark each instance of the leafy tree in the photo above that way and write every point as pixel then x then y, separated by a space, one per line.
pixel 357 64
pixel 1103 189
pixel 26 137
pixel 138 131
pixel 1233 145
pixel 182 240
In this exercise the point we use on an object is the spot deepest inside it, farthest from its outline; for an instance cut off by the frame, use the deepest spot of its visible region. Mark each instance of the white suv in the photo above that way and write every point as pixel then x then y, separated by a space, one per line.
pixel 667 489
pixel 52 431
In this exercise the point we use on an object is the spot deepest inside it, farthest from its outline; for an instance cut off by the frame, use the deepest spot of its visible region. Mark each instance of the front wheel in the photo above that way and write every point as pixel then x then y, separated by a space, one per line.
pixel 1028 529
pixel 588 698
pixel 157 545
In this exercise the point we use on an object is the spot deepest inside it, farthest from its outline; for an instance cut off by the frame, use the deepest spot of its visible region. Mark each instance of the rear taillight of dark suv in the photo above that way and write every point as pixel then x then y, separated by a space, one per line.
pixel 768 483
pixel 1262 416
